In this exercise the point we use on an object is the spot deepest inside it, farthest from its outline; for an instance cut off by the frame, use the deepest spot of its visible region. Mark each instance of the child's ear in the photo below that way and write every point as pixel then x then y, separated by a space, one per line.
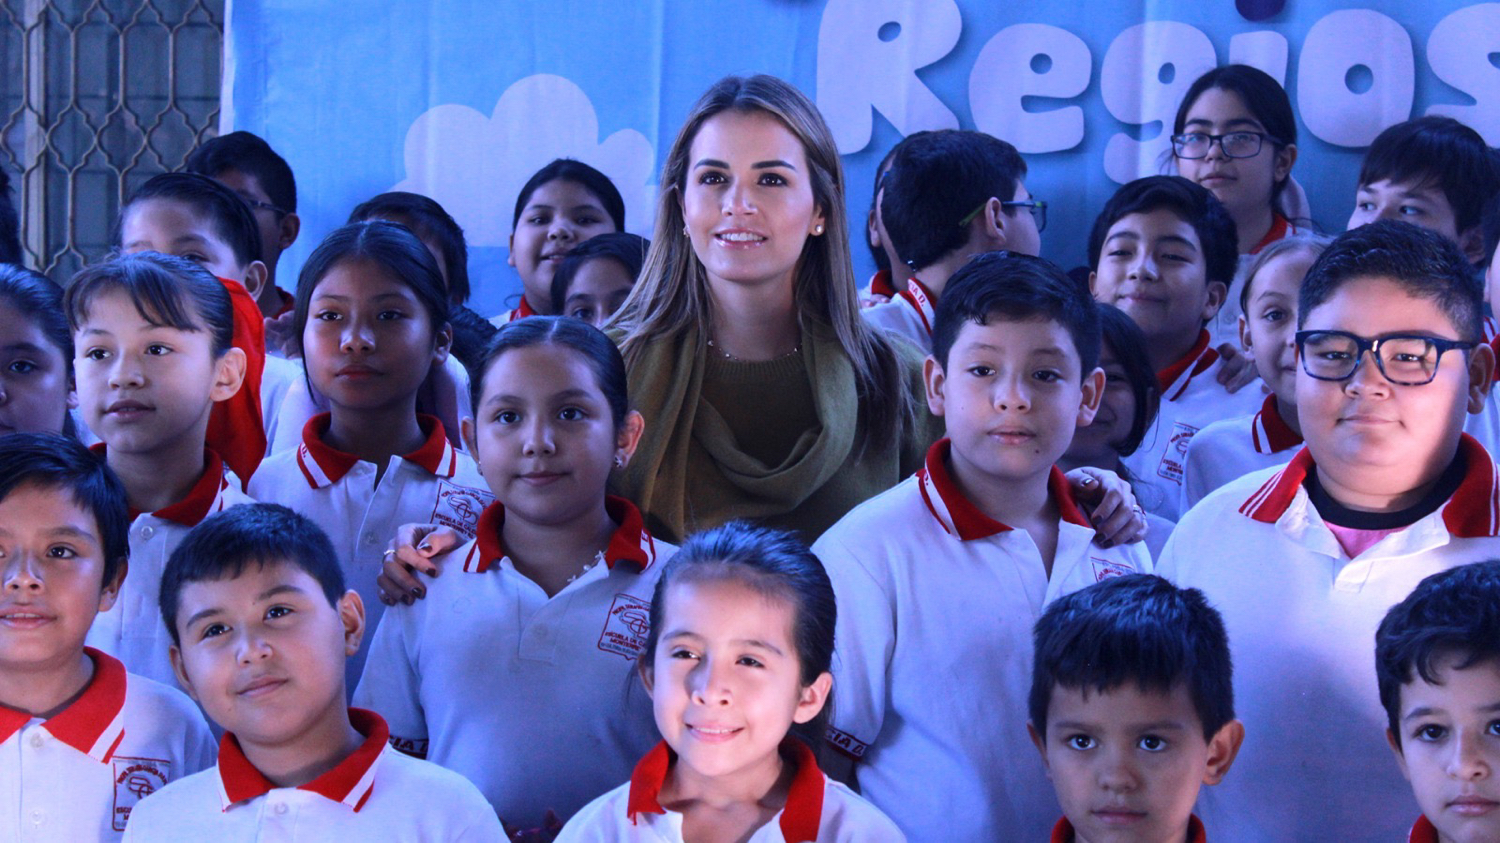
pixel 1471 241
pixel 629 438
pixel 1284 161
pixel 229 375
pixel 1040 742
pixel 352 614
pixel 441 343
pixel 466 435
pixel 1481 376
pixel 1390 738
pixel 1093 395
pixel 648 676
pixel 1093 286
pixel 256 275
pixel 510 247
pixel 1217 291
pixel 289 228
pixel 174 655
pixel 1245 341
pixel 1222 748
pixel 994 220
pixel 813 698
pixel 111 590
pixel 935 378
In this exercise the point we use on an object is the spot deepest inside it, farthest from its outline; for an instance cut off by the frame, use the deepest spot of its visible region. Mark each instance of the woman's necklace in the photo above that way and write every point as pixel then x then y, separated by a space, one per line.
pixel 796 349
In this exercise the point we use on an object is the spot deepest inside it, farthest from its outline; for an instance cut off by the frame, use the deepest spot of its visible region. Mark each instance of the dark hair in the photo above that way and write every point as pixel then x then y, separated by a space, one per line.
pixel 626 249
pixel 566 169
pixel 426 219
pixel 167 291
pixel 1122 336
pixel 1014 286
pixel 50 461
pixel 881 261
pixel 227 213
pixel 576 335
pixel 1441 151
pixel 251 155
pixel 776 564
pixel 1263 97
pixel 1193 203
pixel 227 543
pixel 1136 628
pixel 1426 265
pixel 1450 614
pixel 388 245
pixel 1490 227
pixel 40 300
pixel 938 179
pixel 10 224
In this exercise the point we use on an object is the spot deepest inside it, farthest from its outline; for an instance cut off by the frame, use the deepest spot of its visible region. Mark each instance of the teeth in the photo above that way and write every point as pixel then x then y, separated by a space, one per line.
pixel 741 237
pixel 713 731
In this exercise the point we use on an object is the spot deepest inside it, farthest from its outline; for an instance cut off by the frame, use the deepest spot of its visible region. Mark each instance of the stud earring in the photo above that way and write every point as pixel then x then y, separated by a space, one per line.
pixel 685 231
pixel 817 229
pixel 619 461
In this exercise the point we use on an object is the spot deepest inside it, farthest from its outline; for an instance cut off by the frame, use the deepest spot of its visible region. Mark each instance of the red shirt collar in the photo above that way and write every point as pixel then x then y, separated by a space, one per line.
pixel 522 311
pixel 1171 380
pixel 94 724
pixel 1269 432
pixel 323 465
pixel 349 782
pixel 880 284
pixel 1063 831
pixel 1473 511
pixel 204 498
pixel 921 300
pixel 959 516
pixel 804 799
pixel 1493 338
pixel 1280 227
pixel 288 303
pixel 630 541
pixel 1423 831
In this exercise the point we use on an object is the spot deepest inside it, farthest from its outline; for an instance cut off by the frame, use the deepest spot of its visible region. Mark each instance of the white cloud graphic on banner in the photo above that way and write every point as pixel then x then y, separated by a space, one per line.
pixel 474 165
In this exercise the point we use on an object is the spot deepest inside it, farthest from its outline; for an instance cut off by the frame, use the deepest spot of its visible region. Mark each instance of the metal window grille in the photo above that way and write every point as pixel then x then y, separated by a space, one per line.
pixel 96 96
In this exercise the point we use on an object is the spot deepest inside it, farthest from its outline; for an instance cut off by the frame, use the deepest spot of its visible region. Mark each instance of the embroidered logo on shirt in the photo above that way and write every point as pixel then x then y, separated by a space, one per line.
pixel 1104 569
pixel 415 747
pixel 1176 454
pixel 459 507
pixel 846 743
pixel 626 626
pixel 135 779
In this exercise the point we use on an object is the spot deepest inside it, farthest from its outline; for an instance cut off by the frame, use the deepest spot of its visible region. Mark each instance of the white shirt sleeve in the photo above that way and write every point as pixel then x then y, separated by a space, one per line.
pixel 864 643
pixel 390 685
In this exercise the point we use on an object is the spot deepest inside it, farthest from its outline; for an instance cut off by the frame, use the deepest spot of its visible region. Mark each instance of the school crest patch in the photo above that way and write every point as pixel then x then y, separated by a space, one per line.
pixel 626 626
pixel 1175 457
pixel 459 507
pixel 1104 569
pixel 135 779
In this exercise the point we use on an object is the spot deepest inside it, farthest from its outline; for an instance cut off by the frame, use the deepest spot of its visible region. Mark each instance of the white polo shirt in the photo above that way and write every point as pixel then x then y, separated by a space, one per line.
pixel 817 810
pixel 78 774
pixel 1301 617
pixel 1228 450
pixel 910 313
pixel 932 666
pixel 1485 425
pixel 1191 399
pixel 280 377
pixel 534 699
pixel 520 311
pixel 375 794
pixel 434 484
pixel 132 630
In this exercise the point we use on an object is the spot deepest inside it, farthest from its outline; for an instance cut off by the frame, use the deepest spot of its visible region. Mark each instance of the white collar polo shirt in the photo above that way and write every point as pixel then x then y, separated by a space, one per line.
pixel 1301 617
pixel 375 793
pixel 534 699
pixel 817 809
pixel 933 663
pixel 435 484
pixel 1191 399
pixel 909 313
pixel 1228 450
pixel 132 630
pixel 1485 425
pixel 78 774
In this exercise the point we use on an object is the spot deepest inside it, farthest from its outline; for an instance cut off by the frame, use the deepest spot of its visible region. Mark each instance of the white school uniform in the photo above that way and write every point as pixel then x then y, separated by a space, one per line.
pixel 1228 450
pixel 1485 425
pixel 1191 399
pixel 374 794
pixel 1301 617
pixel 520 311
pixel 933 667
pixel 78 774
pixel 276 383
pixel 910 313
pixel 132 630
pixel 817 809
pixel 434 484
pixel 534 699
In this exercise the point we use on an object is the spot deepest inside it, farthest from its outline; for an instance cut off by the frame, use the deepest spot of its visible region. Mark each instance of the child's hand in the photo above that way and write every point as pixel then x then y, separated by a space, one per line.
pixel 281 336
pixel 1117 518
pixel 872 299
pixel 413 550
pixel 551 825
pixel 1238 369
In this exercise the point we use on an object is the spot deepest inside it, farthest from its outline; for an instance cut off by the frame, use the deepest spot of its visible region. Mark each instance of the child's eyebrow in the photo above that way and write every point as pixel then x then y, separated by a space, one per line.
pixel 1238 121
pixel 575 392
pixel 1428 711
pixel 202 615
pixel 70 531
pixel 759 644
pixel 1178 239
pixel 284 588
pixel 22 346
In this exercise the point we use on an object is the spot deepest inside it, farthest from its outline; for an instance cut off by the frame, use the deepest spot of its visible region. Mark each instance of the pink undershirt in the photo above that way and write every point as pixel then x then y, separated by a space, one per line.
pixel 1355 541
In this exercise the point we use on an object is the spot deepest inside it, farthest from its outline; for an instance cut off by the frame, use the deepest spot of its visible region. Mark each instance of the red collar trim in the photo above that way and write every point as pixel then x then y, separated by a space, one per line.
pixel 922 301
pixel 323 466
pixel 1280 228
pixel 1473 512
pixel 1422 831
pixel 1063 831
pixel 1176 377
pixel 206 496
pixel 630 542
pixel 959 516
pixel 288 303
pixel 1269 432
pixel 804 799
pixel 522 311
pixel 880 284
pixel 349 782
pixel 1493 338
pixel 94 724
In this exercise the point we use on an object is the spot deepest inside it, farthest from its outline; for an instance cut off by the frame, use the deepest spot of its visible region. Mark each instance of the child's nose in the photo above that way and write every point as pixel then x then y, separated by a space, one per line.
pixel 125 371
pixel 1469 761
pixel 357 336
pixel 1116 773
pixel 253 648
pixel 1011 394
pixel 21 573
pixel 710 683
pixel 538 440
pixel 1367 377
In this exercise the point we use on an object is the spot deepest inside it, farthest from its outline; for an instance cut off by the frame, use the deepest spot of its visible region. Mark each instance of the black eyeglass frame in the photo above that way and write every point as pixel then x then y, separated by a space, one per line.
pixel 1036 207
pixel 1363 345
pixel 1260 137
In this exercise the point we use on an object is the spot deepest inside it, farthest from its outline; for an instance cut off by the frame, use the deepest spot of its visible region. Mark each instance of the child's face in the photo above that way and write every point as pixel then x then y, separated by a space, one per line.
pixel 598 289
pixel 1268 327
pixel 1127 764
pixel 143 387
pixel 1368 436
pixel 1152 267
pixel 368 343
pixel 1098 442
pixel 52 561
pixel 544 434
pixel 1420 203
pixel 173 228
pixel 275 233
pixel 264 652
pixel 726 681
pixel 1450 749
pixel 1244 185
pixel 35 393
pixel 1012 397
pixel 559 215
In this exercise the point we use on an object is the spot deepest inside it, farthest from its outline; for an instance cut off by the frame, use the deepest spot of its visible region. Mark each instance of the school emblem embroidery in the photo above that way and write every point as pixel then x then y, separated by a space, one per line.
pixel 626 626
pixel 459 507
pixel 1172 461
pixel 135 779
pixel 1104 569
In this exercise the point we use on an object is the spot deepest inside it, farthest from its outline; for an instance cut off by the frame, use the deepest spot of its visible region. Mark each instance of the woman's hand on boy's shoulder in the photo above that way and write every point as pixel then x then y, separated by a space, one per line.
pixel 1117 517
pixel 415 548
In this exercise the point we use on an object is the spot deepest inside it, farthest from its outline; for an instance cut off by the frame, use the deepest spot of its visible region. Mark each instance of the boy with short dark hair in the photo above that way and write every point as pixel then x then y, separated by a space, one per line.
pixel 81 740
pixel 981 539
pixel 1437 660
pixel 950 195
pixel 1164 251
pixel 1304 560
pixel 261 624
pixel 1132 708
